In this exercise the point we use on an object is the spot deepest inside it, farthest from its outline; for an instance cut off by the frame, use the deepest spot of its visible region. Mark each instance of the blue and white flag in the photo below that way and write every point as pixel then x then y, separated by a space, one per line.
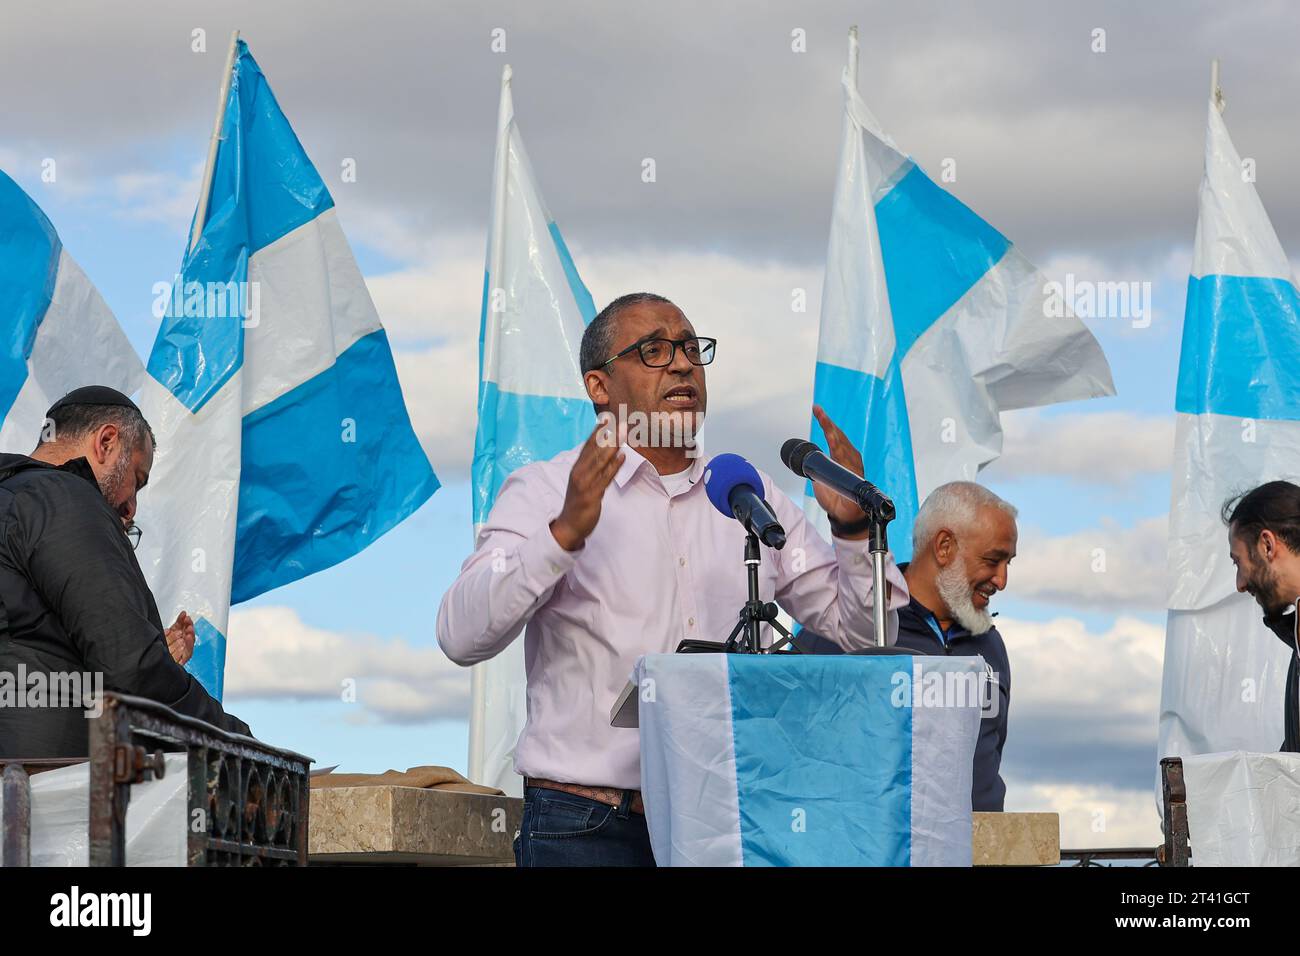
pixel 532 404
pixel 1238 425
pixel 284 444
pixel 59 334
pixel 932 324
pixel 769 760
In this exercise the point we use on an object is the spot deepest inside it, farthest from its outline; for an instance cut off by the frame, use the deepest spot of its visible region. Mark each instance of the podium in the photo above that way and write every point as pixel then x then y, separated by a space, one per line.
pixel 806 760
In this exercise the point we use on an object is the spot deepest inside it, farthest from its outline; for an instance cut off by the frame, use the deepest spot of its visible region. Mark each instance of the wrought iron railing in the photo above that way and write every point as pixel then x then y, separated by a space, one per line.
pixel 1175 851
pixel 1111 856
pixel 248 803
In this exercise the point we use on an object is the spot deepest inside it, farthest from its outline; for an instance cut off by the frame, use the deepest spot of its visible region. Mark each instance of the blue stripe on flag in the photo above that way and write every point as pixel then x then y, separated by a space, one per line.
pixel 793 721
pixel 199 348
pixel 263 184
pixel 29 263
pixel 336 455
pixel 514 430
pixel 263 187
pixel 934 250
pixel 580 294
pixel 1241 343
pixel 208 664
pixel 872 413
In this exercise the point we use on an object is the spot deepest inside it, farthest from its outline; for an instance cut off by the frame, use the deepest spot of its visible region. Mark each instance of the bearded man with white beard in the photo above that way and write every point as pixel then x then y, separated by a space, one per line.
pixel 963 541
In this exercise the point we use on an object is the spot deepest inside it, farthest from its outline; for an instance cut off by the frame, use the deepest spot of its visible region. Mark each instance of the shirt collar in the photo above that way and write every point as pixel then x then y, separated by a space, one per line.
pixel 73 466
pixel 634 461
pixel 81 468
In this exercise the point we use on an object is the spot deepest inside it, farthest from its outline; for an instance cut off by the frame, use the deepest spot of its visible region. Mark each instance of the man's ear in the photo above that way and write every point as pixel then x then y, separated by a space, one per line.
pixel 106 439
pixel 1268 545
pixel 597 391
pixel 945 547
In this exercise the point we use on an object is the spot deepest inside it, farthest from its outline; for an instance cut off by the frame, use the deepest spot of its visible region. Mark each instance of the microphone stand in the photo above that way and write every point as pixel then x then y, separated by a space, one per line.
pixel 879 546
pixel 744 638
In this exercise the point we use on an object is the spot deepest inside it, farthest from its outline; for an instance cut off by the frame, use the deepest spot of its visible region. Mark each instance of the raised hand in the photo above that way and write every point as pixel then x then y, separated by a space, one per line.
pixel 597 464
pixel 842 452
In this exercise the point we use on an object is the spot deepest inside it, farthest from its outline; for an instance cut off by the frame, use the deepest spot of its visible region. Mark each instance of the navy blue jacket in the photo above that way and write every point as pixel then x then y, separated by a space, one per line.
pixel 916 631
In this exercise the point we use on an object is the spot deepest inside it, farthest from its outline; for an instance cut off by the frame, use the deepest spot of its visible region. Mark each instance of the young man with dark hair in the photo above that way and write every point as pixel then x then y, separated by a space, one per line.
pixel 1264 542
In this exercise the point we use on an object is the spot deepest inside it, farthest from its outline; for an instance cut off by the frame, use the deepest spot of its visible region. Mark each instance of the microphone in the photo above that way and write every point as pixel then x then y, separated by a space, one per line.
pixel 735 488
pixel 808 461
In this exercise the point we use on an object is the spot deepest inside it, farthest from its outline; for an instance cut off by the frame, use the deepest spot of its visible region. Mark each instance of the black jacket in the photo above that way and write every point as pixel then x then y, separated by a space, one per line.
pixel 1284 626
pixel 74 601
pixel 988 792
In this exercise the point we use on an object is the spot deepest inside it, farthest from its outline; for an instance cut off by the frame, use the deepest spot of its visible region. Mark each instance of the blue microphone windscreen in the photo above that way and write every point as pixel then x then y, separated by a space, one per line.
pixel 723 474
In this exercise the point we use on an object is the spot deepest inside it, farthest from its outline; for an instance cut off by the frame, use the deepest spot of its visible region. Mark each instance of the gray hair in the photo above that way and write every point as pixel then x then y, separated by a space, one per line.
pixel 71 422
pixel 598 339
pixel 954 506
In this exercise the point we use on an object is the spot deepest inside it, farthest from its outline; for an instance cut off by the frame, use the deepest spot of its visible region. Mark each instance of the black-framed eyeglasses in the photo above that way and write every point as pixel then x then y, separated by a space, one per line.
pixel 660 353
pixel 133 534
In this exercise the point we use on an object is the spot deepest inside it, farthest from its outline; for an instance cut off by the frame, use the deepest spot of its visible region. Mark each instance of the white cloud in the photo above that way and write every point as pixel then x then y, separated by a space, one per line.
pixel 760 387
pixel 440 388
pixel 164 198
pixel 1083 703
pixel 274 655
pixel 1062 671
pixel 1092 816
pixel 1104 567
pixel 1109 447
pixel 75 174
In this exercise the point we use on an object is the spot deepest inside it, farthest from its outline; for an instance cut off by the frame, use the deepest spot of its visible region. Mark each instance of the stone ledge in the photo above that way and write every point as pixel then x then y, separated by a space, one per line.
pixel 1016 839
pixel 408 825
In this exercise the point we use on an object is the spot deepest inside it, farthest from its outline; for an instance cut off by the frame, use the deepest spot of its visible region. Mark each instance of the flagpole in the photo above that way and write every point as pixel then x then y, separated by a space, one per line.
pixel 201 213
pixel 496 253
pixel 505 118
pixel 853 56
pixel 1216 94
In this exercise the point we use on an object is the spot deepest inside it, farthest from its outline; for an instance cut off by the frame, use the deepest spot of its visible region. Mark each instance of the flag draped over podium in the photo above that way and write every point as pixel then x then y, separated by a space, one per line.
pixel 758 760
pixel 532 404
pixel 932 324
pixel 284 443
pixel 1238 425
pixel 59 334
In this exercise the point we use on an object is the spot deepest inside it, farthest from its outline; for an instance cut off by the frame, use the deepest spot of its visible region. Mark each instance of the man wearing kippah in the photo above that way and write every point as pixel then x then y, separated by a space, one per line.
pixel 75 611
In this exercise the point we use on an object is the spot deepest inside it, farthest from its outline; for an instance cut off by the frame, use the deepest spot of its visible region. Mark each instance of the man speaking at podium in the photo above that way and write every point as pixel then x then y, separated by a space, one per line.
pixel 612 550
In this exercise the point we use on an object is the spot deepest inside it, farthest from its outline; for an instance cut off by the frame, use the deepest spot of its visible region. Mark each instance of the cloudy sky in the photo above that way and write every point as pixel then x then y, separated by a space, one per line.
pixel 1088 159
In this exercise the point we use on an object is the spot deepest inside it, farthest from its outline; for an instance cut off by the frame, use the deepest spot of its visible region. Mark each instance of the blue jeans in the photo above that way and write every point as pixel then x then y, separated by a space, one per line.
pixel 564 829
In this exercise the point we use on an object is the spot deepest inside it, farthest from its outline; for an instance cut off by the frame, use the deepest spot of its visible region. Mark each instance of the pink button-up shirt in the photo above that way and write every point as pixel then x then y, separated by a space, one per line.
pixel 657 569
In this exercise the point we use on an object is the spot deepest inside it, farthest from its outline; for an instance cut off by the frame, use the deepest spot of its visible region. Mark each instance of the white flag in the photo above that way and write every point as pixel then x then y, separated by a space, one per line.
pixel 532 404
pixel 58 333
pixel 932 324
pixel 1238 406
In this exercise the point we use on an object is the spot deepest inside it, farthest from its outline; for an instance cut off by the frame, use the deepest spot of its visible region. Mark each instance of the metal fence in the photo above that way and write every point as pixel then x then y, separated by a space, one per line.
pixel 1175 851
pixel 247 802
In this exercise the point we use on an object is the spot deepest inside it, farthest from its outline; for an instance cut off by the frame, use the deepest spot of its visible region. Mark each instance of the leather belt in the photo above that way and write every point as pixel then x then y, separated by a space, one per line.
pixel 610 796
